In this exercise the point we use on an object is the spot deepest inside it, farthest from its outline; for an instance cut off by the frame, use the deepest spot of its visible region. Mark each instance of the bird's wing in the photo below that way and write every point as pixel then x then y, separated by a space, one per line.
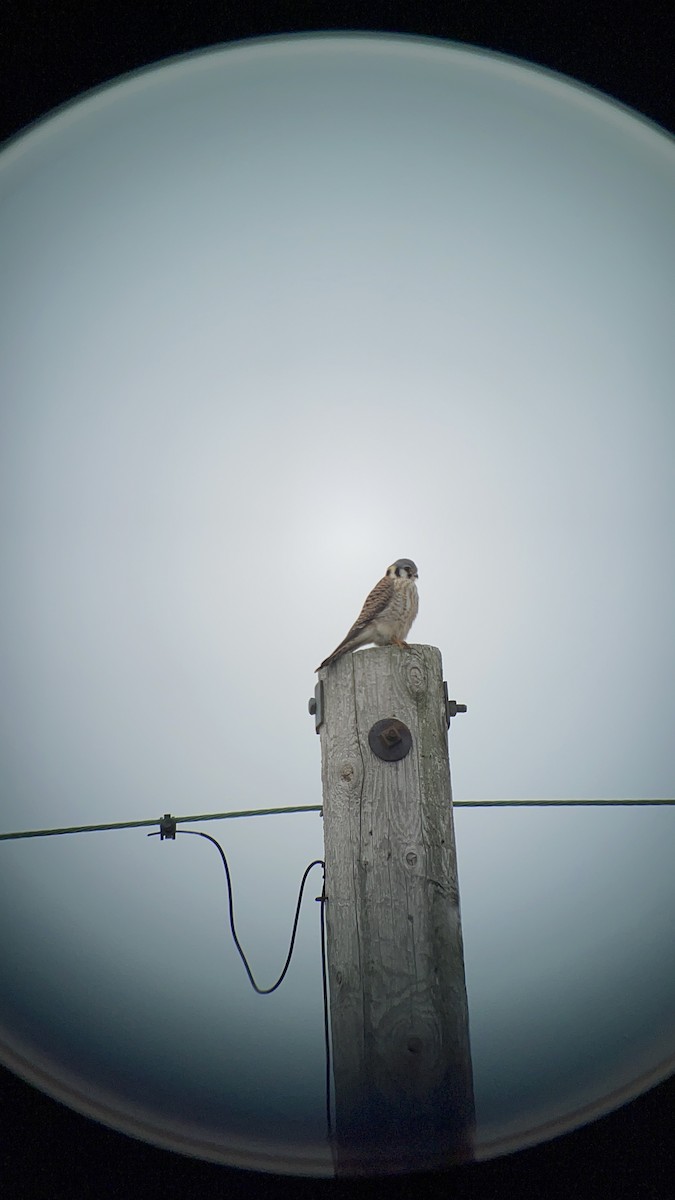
pixel 375 603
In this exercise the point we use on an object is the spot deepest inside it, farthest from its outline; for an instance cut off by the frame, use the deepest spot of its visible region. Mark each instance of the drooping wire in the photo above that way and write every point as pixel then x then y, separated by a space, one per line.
pixel 318 862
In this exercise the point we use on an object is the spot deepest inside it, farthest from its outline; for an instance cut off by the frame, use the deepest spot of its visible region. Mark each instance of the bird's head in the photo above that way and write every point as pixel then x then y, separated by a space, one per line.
pixel 403 568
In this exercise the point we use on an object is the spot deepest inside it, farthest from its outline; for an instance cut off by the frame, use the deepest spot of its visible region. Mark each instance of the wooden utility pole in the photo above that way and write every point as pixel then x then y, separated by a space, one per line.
pixel 398 1007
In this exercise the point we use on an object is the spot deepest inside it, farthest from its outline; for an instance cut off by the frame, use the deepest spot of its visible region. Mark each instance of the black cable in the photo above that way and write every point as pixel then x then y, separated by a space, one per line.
pixel 318 862
pixel 324 981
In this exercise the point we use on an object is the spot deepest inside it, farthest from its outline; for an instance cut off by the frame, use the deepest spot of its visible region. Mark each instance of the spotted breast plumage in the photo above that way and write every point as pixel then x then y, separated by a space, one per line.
pixel 387 614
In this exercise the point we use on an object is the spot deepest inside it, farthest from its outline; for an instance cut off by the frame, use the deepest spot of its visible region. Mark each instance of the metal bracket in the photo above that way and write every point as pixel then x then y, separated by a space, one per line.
pixel 451 706
pixel 315 706
pixel 167 827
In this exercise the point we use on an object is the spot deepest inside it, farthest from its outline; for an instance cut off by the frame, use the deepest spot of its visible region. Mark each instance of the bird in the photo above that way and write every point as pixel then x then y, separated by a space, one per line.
pixel 387 614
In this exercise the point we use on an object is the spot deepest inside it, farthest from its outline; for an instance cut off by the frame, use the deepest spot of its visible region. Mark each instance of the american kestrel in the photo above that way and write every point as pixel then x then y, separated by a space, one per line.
pixel 387 614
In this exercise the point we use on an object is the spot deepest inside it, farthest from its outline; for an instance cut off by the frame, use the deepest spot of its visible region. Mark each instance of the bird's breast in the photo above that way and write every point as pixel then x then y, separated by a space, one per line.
pixel 405 606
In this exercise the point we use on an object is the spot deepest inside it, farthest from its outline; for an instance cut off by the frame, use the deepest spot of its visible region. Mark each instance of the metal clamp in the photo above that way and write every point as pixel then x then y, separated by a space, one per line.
pixel 167 827
pixel 452 708
pixel 315 706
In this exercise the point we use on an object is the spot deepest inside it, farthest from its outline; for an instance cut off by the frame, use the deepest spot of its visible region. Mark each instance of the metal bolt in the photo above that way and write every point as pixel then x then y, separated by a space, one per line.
pixel 451 706
pixel 315 706
pixel 390 739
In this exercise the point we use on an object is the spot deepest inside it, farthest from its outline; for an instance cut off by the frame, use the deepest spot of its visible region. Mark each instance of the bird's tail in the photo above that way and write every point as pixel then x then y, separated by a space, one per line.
pixel 327 661
pixel 337 653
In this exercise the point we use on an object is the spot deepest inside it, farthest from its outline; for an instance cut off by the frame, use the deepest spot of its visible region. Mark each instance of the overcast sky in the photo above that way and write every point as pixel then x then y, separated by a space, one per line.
pixel 270 318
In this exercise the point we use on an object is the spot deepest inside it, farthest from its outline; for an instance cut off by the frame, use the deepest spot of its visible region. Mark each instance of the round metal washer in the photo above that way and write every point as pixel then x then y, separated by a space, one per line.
pixel 390 739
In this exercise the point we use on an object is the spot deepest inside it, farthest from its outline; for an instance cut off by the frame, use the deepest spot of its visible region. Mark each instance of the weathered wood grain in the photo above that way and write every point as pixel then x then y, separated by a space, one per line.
pixel 399 1019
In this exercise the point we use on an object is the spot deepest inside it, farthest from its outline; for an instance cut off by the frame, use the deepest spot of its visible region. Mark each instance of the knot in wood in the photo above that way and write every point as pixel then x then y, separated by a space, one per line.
pixel 417 678
pixel 411 858
pixel 415 1045
pixel 347 771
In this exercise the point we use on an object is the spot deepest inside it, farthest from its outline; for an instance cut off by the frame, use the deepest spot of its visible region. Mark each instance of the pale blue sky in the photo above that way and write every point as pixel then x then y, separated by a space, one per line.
pixel 271 317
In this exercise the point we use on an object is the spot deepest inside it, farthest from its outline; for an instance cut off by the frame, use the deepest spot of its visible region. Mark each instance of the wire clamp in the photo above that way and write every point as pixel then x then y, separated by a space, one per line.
pixel 167 827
